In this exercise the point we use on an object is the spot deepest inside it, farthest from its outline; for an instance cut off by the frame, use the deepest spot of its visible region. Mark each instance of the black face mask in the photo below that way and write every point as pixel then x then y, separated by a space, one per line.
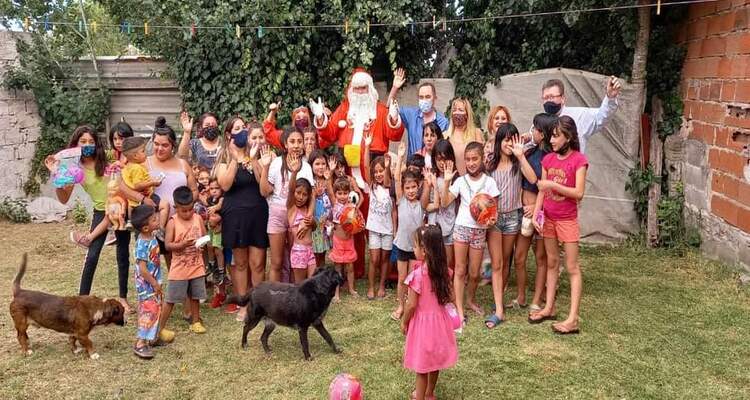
pixel 210 133
pixel 550 107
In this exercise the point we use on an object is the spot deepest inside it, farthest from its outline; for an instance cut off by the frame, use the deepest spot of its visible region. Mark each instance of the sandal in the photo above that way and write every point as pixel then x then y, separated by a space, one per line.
pixel 494 320
pixel 559 331
pixel 542 319
pixel 143 352
pixel 515 304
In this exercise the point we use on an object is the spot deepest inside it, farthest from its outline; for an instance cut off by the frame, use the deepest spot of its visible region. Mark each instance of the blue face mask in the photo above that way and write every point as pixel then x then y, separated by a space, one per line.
pixel 425 106
pixel 88 150
pixel 240 139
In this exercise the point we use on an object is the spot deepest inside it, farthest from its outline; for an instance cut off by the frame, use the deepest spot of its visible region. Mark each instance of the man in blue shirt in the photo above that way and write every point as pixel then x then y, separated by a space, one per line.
pixel 414 118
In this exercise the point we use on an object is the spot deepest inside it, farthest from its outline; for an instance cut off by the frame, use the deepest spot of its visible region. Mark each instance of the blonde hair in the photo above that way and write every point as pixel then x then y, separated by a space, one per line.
pixel 224 156
pixel 471 133
pixel 491 117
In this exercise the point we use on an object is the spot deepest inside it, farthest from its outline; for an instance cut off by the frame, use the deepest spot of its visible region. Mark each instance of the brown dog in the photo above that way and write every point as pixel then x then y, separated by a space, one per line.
pixel 74 315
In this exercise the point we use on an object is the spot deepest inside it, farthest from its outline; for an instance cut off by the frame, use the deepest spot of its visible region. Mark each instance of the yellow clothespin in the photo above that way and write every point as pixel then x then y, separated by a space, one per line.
pixel 93 26
pixel 658 7
pixel 26 23
pixel 368 27
pixel 346 26
pixel 237 31
pixel 145 28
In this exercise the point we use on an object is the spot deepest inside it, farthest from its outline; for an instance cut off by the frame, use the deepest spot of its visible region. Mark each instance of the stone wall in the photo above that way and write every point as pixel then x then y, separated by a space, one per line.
pixel 716 94
pixel 19 125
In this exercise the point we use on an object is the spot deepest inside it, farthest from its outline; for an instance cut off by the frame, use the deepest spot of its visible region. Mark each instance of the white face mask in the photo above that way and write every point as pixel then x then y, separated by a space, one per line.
pixel 425 106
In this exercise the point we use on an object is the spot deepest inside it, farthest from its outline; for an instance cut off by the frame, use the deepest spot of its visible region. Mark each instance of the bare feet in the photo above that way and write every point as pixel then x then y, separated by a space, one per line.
pixel 381 292
pixel 475 307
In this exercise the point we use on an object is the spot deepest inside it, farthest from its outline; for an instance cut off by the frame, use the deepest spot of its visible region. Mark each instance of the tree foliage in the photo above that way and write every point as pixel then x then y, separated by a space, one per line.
pixel 217 71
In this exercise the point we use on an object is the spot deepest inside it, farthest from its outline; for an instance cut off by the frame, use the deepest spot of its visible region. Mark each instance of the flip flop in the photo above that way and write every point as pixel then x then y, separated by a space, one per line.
pixel 494 320
pixel 542 319
pixel 562 332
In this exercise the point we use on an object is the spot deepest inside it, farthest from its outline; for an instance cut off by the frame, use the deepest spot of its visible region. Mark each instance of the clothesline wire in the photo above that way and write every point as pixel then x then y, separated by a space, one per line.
pixel 346 25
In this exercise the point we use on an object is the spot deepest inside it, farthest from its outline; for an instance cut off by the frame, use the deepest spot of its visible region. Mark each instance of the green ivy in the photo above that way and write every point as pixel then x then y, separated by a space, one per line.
pixel 639 183
pixel 218 72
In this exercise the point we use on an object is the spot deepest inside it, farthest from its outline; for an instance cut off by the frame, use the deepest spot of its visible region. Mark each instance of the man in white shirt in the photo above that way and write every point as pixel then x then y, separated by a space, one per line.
pixel 588 120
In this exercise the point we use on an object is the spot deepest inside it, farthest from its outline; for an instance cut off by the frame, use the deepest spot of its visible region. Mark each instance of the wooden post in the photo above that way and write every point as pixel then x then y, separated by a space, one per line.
pixel 655 157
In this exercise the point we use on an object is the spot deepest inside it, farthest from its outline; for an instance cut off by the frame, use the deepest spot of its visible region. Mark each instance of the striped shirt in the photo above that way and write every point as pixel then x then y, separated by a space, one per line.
pixel 509 184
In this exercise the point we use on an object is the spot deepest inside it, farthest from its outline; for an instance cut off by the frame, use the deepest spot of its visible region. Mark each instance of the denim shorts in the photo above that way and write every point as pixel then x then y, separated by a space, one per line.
pixel 509 223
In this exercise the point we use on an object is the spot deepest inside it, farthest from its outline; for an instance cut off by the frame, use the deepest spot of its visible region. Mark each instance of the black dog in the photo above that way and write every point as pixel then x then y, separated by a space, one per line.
pixel 297 307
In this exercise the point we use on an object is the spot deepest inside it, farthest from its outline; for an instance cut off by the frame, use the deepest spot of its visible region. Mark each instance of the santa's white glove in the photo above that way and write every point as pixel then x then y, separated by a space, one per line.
pixel 317 108
pixel 393 110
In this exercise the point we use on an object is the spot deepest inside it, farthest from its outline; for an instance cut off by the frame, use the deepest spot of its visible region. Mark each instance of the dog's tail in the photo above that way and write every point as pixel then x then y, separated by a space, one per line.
pixel 239 300
pixel 19 275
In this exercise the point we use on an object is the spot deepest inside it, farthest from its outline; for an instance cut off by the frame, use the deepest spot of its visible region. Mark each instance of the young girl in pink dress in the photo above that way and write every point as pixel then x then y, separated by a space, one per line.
pixel 430 340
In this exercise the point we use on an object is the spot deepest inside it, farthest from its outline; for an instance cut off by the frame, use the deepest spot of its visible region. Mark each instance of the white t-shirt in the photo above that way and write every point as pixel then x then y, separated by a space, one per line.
pixel 464 188
pixel 381 208
pixel 281 189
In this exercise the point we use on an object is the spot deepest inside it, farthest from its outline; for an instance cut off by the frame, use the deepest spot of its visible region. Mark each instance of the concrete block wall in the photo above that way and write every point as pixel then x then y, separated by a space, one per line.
pixel 19 125
pixel 716 94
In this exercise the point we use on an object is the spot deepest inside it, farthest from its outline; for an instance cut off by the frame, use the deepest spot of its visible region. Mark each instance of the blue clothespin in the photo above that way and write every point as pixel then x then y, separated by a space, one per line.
pixel 47 24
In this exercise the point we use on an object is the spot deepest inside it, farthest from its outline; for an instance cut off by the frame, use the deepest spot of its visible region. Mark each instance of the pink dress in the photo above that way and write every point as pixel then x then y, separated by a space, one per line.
pixel 430 341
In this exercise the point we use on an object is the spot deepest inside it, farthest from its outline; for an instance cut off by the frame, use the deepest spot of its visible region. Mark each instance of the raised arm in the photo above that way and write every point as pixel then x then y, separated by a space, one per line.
pixel 526 169
pixel 368 173
pixel 399 78
pixel 183 150
pixel 266 156
pixel 429 187
pixel 447 198
pixel 295 164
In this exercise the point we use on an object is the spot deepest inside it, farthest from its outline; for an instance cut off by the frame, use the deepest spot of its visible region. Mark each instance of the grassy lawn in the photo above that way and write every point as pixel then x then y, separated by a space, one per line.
pixel 654 325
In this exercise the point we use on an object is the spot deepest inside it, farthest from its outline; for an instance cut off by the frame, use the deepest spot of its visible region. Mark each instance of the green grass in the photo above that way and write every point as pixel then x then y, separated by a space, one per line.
pixel 654 325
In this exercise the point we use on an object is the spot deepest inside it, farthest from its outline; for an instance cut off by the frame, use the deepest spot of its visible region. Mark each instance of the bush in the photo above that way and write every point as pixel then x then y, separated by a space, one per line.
pixel 14 210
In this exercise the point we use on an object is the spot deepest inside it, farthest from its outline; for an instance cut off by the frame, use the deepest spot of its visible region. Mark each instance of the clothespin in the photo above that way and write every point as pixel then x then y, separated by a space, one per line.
pixel 80 26
pixel 237 31
pixel 368 27
pixel 658 7
pixel 145 28
pixel 130 28
pixel 411 27
pixel 93 26
pixel 192 30
pixel 260 31
pixel 47 24
pixel 444 28
pixel 434 24
pixel 346 26
pixel 26 23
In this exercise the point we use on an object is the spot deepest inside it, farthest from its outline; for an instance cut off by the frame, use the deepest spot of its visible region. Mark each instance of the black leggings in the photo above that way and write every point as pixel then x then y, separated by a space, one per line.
pixel 92 258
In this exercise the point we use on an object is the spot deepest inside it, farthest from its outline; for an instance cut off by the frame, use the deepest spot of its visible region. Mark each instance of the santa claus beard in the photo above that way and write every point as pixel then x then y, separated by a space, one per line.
pixel 362 108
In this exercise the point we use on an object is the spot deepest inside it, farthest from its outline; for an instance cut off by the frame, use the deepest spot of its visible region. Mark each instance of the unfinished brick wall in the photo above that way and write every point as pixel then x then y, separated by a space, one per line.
pixel 716 94
pixel 19 126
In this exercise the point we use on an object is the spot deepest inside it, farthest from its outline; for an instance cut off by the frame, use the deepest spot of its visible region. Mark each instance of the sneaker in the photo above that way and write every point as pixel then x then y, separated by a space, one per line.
pixel 211 268
pixel 166 335
pixel 218 276
pixel 231 308
pixel 145 352
pixel 197 328
pixel 159 234
pixel 80 239
pixel 111 238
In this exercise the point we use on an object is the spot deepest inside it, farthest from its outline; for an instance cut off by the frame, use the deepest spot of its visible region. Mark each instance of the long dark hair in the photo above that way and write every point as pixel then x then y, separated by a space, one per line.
pixel 545 123
pixel 435 128
pixel 430 239
pixel 504 131
pixel 444 149
pixel 288 131
pixel 100 157
pixel 199 125
pixel 567 127
pixel 121 128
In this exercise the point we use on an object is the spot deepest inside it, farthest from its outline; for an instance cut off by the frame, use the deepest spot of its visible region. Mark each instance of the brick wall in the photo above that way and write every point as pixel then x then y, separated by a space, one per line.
pixel 19 126
pixel 716 94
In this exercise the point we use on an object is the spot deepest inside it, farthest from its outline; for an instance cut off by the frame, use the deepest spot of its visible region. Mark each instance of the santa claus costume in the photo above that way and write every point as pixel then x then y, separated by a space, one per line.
pixel 359 111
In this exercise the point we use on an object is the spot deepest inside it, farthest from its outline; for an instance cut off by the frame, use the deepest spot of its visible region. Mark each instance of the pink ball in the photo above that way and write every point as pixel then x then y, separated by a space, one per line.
pixel 345 387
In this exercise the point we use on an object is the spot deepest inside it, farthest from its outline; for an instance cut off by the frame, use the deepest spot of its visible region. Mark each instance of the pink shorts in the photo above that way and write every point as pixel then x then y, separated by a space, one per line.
pixel 474 237
pixel 301 256
pixel 343 251
pixel 278 221
pixel 564 231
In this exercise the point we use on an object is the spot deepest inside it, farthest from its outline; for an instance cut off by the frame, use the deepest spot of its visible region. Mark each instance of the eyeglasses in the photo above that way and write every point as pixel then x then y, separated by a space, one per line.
pixel 551 97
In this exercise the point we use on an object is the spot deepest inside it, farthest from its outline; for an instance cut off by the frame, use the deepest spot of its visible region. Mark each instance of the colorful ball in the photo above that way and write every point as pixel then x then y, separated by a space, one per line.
pixel 345 387
pixel 351 220
pixel 483 208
